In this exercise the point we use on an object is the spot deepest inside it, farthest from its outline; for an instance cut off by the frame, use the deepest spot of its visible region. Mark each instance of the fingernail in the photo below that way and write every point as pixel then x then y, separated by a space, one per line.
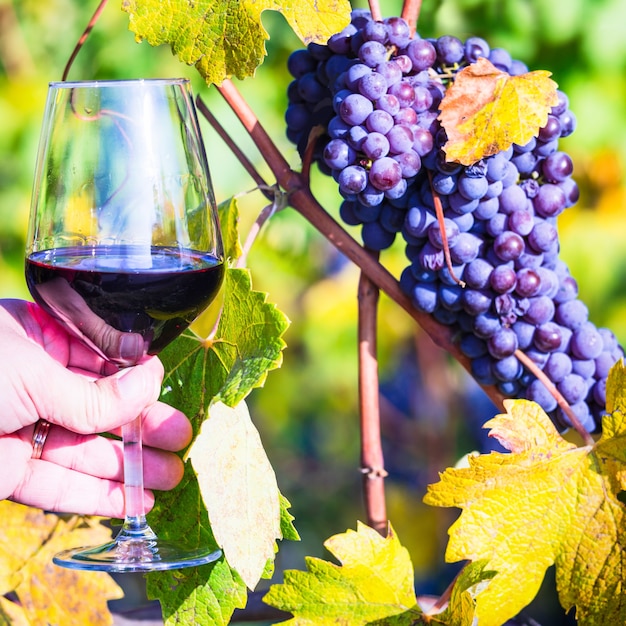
pixel 131 347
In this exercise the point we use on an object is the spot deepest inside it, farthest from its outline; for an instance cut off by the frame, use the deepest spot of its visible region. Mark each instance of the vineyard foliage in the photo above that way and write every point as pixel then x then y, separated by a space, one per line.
pixel 545 502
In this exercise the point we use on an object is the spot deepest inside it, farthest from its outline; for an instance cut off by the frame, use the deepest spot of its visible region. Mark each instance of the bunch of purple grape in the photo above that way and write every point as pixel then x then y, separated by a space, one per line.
pixel 375 92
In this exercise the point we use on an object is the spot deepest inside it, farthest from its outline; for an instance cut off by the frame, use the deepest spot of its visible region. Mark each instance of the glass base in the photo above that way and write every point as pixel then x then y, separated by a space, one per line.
pixel 135 552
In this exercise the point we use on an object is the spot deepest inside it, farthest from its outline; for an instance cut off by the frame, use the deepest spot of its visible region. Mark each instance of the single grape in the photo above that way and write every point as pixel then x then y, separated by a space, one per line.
pixel 385 173
pixel 355 109
pixel 502 343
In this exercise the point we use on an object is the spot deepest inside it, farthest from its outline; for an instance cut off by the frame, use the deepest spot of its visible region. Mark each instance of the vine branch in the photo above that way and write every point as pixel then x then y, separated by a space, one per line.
pixel 372 460
pixel 92 22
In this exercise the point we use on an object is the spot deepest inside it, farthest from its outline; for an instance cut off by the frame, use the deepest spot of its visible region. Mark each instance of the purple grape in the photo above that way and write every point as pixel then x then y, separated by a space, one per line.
pixel 338 154
pixel 513 199
pixel 525 333
pixel 472 346
pixel 502 343
pixel 379 122
pixel 486 325
pixel 422 54
pixel 385 173
pixel 549 201
pixel 476 47
pixel 373 86
pixel 501 59
pixel 375 31
pixel 388 103
pixel 473 188
pixel 540 310
pixel 375 237
pixel 558 366
pixel 425 297
pixel 467 248
pixel 507 369
pixel 435 236
pixel 372 53
pixel 450 50
pixel 573 388
pixel 400 139
pixel 404 91
pixel 503 279
pixel 418 221
pixel 521 222
pixel 354 75
pixel 548 337
pixel 398 31
pixel 557 167
pixel 391 72
pixel 375 146
pixel 542 237
pixel 476 301
pixel 410 163
pixel 352 179
pixel 537 392
pixel 355 109
pixel 508 246
pixel 477 273
pixel 573 314
pixel 587 342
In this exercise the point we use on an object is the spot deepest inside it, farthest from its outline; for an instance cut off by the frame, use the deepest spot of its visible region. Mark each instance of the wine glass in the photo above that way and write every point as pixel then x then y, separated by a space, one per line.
pixel 124 248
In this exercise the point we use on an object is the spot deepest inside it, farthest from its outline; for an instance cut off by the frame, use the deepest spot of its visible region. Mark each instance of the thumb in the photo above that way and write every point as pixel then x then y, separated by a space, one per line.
pixel 83 406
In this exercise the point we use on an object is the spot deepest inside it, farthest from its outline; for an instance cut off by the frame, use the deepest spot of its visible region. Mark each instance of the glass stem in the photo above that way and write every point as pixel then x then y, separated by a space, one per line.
pixel 135 521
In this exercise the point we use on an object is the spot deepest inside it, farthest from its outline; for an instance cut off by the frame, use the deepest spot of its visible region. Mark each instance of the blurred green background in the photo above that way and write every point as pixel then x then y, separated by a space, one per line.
pixel 307 412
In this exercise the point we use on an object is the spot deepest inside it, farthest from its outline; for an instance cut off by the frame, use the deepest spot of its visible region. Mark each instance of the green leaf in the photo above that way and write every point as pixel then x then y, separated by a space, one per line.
pixel 547 502
pixel 247 344
pixel 373 582
pixel 239 488
pixel 198 595
pixel 225 38
pixel 229 222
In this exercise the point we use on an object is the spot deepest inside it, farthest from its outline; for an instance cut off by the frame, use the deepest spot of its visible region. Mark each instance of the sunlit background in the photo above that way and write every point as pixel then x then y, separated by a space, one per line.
pixel 307 411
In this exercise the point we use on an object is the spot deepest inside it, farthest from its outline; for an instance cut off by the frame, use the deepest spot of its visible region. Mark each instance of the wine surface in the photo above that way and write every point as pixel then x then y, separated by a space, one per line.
pixel 124 301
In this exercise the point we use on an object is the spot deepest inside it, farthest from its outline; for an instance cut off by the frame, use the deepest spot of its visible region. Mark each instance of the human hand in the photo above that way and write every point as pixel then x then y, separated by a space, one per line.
pixel 46 373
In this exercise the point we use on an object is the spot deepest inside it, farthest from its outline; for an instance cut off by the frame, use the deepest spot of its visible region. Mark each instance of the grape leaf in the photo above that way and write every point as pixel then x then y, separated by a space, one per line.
pixel 229 222
pixel 47 593
pixel 247 344
pixel 373 582
pixel 239 488
pixel 486 110
pixel 547 502
pixel 225 38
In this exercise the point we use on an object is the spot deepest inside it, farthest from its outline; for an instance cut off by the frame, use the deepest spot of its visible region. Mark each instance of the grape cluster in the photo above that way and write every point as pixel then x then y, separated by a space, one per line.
pixel 375 92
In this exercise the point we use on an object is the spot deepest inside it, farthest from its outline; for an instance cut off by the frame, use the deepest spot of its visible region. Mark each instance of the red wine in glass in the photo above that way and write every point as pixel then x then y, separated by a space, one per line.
pixel 154 297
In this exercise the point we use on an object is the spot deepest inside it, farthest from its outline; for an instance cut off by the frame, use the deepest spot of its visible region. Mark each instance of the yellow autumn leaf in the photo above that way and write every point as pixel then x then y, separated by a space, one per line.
pixel 486 110
pixel 49 594
pixel 239 488
pixel 547 502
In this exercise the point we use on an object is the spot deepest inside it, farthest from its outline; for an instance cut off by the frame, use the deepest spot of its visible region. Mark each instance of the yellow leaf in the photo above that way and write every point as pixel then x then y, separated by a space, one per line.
pixel 547 502
pixel 486 110
pixel 49 594
pixel 24 529
pixel 239 488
